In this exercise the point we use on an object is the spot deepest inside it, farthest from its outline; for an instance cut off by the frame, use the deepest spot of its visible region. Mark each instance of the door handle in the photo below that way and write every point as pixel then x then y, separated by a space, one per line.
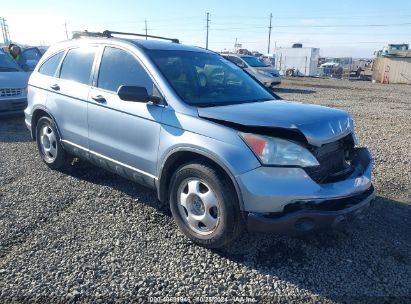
pixel 98 98
pixel 55 87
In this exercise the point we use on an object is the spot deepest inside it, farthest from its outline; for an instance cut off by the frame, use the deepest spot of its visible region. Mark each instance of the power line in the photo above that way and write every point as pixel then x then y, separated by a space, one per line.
pixel 317 26
pixel 327 17
pixel 348 25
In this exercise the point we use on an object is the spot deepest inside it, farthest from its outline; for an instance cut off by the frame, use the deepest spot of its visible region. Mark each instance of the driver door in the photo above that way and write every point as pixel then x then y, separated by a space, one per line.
pixel 123 135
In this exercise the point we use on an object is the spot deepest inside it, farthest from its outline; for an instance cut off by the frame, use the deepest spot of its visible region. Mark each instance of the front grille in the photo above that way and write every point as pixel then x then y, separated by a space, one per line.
pixel 10 92
pixel 333 159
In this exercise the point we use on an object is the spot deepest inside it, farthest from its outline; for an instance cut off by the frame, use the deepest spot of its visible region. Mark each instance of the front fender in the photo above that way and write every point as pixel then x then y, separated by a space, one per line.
pixel 221 144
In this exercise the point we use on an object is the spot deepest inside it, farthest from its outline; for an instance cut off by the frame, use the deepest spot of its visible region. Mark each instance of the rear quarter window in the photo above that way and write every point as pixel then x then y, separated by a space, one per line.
pixel 49 67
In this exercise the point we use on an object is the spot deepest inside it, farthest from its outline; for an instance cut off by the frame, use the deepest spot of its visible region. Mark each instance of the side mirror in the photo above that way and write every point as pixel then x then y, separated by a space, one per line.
pixel 137 94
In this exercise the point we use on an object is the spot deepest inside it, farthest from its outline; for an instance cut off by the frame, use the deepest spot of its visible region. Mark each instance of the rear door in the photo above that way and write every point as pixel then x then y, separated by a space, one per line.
pixel 123 132
pixel 68 94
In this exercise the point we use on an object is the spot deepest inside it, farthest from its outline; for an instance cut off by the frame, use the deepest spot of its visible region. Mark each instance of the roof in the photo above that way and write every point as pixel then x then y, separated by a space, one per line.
pixel 399 54
pixel 157 44
pixel 163 45
pixel 230 54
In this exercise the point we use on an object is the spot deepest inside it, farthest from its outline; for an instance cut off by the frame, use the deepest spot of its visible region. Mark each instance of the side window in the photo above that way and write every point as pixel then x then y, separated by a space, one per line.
pixel 77 64
pixel 49 67
pixel 237 61
pixel 119 68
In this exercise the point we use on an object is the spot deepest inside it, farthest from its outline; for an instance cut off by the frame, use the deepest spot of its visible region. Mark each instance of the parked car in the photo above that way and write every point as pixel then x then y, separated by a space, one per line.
pixel 331 69
pixel 264 72
pixel 13 83
pixel 222 149
pixel 257 54
pixel 30 57
pixel 268 59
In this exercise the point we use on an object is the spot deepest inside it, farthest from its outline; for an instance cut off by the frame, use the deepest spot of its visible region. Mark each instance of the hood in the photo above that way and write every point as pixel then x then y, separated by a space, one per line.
pixel 14 80
pixel 318 124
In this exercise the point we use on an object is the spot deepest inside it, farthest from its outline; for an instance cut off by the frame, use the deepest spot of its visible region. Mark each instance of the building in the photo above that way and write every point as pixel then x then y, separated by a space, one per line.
pixel 393 67
pixel 303 61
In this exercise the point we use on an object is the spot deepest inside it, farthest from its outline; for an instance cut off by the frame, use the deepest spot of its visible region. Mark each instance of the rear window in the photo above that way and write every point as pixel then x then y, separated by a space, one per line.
pixel 77 65
pixel 49 67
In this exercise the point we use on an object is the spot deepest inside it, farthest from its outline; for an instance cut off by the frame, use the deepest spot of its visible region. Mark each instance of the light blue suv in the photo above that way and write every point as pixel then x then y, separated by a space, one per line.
pixel 222 149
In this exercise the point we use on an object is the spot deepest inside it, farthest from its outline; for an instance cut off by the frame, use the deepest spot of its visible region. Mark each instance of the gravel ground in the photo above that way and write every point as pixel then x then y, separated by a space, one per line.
pixel 86 235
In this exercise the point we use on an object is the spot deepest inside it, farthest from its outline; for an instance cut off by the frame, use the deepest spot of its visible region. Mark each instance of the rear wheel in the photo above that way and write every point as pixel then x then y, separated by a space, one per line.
pixel 48 143
pixel 204 205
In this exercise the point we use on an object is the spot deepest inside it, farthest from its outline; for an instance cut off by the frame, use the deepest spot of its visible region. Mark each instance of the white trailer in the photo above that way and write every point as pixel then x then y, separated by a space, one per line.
pixel 303 61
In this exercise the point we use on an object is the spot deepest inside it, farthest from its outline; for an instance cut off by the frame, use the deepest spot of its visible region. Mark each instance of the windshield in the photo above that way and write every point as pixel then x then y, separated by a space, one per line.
pixel 7 64
pixel 206 79
pixel 254 62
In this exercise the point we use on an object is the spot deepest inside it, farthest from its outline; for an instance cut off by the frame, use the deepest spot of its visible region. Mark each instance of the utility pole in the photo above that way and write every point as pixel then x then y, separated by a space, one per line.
pixel 5 31
pixel 65 27
pixel 2 30
pixel 269 33
pixel 208 26
pixel 235 45
pixel 145 22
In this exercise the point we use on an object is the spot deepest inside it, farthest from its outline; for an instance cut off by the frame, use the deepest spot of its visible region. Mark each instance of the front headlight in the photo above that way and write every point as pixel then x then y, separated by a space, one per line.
pixel 277 151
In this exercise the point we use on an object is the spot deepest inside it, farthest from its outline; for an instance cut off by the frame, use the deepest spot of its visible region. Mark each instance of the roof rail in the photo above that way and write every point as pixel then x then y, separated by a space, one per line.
pixel 78 34
pixel 109 34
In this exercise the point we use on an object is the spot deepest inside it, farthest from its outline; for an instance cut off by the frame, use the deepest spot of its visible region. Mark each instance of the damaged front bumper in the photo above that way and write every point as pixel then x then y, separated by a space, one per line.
pixel 307 220
pixel 288 201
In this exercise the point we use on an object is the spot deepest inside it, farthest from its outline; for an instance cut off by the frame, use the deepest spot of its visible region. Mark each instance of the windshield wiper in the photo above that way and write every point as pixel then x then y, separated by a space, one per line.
pixel 220 104
pixel 261 99
pixel 209 104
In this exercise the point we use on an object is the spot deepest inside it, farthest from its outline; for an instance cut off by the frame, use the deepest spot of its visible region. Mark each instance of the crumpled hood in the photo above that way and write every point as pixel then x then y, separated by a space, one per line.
pixel 13 80
pixel 319 124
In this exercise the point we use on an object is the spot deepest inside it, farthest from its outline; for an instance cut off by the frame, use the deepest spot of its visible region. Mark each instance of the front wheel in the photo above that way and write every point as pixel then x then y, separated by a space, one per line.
pixel 48 143
pixel 204 205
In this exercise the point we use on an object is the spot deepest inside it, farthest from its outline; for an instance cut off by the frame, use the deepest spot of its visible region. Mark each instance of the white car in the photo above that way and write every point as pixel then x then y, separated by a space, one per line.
pixel 13 83
pixel 264 73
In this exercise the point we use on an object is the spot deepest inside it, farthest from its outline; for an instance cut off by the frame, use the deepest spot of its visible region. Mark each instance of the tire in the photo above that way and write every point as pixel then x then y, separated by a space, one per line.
pixel 290 73
pixel 48 143
pixel 204 205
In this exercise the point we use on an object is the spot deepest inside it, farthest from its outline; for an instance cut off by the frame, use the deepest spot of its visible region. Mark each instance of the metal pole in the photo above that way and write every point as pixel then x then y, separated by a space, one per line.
pixel 145 22
pixel 65 27
pixel 269 33
pixel 305 71
pixel 6 30
pixel 208 20
pixel 2 30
